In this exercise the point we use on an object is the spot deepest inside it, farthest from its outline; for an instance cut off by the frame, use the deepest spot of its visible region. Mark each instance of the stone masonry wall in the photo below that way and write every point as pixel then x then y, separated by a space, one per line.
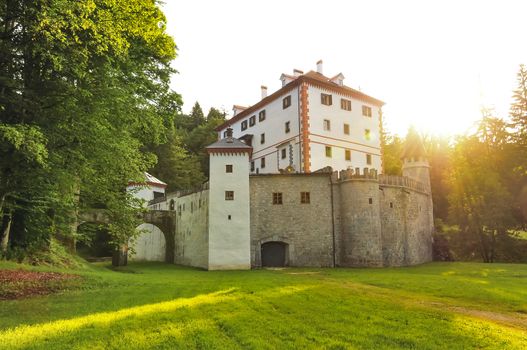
pixel 191 238
pixel 406 229
pixel 361 228
pixel 306 228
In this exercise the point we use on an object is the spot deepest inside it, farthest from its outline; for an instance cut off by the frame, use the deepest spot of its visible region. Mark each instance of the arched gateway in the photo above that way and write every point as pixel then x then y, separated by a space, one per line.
pixel 163 219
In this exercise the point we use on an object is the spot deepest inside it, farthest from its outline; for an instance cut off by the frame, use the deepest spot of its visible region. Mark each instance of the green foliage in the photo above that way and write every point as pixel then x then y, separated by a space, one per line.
pixel 480 202
pixel 433 306
pixel 84 87
pixel 183 162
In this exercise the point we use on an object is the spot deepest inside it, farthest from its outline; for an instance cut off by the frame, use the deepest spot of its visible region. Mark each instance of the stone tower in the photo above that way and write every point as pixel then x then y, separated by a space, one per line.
pixel 229 217
pixel 415 161
pixel 416 167
pixel 360 217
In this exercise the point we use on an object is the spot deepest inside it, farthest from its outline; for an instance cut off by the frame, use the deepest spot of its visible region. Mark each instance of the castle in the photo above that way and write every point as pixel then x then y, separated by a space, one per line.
pixel 295 210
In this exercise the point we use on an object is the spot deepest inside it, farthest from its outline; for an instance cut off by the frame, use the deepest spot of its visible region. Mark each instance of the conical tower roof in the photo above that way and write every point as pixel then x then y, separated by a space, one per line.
pixel 413 146
pixel 229 144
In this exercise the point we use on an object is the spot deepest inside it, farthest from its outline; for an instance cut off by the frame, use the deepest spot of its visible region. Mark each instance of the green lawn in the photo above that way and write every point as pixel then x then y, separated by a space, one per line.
pixel 158 306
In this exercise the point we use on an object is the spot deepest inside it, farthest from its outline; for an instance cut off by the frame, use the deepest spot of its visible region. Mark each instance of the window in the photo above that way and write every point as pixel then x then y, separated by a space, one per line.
pixel 366 111
pixel 367 134
pixel 228 168
pixel 346 129
pixel 287 127
pixel 277 198
pixel 261 116
pixel 370 200
pixel 225 134
pixel 368 159
pixel 391 204
pixel 286 102
pixel 244 125
pixel 262 162
pixel 252 120
pixel 284 153
pixel 262 138
pixel 305 197
pixel 326 99
pixel 229 195
pixel 327 125
pixel 328 151
pixel 345 104
pixel 252 165
pixel 347 155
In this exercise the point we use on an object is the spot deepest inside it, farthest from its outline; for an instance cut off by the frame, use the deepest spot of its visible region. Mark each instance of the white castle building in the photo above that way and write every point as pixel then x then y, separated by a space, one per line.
pixel 312 122
pixel 294 181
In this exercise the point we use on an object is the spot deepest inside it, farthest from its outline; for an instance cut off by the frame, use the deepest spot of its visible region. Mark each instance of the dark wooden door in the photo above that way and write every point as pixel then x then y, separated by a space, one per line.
pixel 273 254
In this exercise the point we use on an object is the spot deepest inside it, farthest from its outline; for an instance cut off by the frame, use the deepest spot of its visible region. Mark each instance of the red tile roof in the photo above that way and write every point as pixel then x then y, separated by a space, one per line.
pixel 312 78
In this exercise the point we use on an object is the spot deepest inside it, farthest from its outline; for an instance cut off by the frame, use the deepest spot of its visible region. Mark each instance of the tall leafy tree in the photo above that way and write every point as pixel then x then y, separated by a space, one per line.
pixel 86 84
pixel 518 110
pixel 480 202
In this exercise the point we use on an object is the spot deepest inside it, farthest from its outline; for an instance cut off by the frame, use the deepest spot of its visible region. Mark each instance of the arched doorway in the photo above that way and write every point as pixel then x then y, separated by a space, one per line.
pixel 274 254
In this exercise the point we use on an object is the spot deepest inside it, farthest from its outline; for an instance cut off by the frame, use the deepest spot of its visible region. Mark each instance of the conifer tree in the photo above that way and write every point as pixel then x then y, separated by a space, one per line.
pixel 518 109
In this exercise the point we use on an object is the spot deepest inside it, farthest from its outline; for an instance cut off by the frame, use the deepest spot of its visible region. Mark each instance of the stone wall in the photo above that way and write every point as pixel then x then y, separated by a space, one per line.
pixel 191 237
pixel 406 226
pixel 361 227
pixel 306 228
pixel 150 245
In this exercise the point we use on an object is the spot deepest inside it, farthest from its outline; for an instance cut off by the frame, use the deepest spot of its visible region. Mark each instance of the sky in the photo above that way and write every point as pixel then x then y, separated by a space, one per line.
pixel 434 63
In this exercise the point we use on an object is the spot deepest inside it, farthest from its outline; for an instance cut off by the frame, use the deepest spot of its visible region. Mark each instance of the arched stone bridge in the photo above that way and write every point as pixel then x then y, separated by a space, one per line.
pixel 165 220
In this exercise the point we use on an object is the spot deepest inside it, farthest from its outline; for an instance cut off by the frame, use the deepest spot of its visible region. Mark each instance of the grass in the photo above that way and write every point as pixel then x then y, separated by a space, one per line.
pixel 158 306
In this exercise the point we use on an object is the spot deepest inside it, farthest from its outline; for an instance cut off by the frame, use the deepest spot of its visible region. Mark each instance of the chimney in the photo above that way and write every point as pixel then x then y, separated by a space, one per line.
pixel 319 67
pixel 264 91
pixel 228 135
pixel 297 72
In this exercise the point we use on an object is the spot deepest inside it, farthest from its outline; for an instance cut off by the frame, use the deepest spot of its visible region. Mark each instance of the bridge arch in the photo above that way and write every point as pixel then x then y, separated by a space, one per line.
pixel 164 220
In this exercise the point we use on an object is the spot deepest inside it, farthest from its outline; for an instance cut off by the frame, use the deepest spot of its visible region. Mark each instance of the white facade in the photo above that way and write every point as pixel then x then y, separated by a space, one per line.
pixel 151 188
pixel 229 222
pixel 275 136
pixel 150 245
pixel 304 146
pixel 356 142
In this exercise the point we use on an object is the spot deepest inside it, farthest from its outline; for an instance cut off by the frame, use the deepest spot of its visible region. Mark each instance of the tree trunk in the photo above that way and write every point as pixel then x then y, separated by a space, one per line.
pixel 483 246
pixel 120 256
pixel 6 228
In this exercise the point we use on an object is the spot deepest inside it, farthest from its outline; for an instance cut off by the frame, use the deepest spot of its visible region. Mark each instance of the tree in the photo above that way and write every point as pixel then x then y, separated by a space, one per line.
pixel 177 167
pixel 518 110
pixel 196 116
pixel 480 202
pixel 87 85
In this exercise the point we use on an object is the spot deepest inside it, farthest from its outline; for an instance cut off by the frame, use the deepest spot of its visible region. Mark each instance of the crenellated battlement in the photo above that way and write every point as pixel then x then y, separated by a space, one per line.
pixel 402 181
pixel 354 174
pixel 371 174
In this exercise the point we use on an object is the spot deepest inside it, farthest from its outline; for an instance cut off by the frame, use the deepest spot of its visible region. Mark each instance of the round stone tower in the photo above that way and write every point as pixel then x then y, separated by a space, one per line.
pixel 415 161
pixel 360 214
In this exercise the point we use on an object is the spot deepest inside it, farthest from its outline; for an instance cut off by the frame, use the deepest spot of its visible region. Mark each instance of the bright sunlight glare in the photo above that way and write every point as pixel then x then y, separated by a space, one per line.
pixel 434 63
